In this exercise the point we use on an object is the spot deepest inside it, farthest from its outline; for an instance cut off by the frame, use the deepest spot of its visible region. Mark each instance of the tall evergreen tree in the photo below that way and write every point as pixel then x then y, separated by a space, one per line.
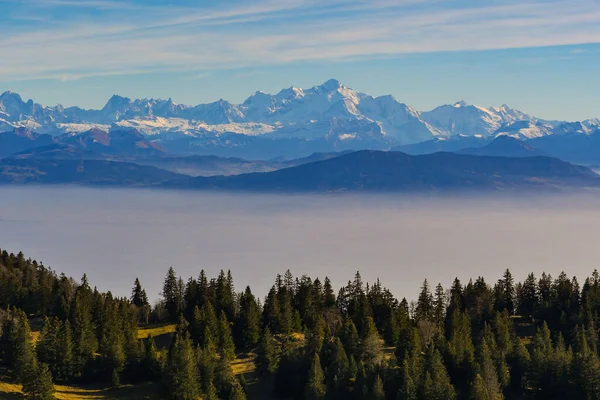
pixel 378 393
pixel 266 359
pixel 181 372
pixel 226 345
pixel 172 295
pixel 138 295
pixel 37 381
pixel 248 320
pixel 425 304
pixel 315 386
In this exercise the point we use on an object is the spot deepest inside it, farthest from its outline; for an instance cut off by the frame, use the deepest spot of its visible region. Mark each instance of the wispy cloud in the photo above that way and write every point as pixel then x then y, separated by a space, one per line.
pixel 265 32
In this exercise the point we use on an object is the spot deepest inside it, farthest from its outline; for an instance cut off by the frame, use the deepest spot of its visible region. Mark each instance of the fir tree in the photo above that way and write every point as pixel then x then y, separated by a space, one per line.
pixel 266 359
pixel 408 389
pixel 37 382
pixel 329 295
pixel 151 364
pixel 248 320
pixel 378 393
pixel 226 345
pixel 172 295
pixel 425 305
pixel 315 386
pixel 478 390
pixel 181 371
pixel 237 392
pixel 138 295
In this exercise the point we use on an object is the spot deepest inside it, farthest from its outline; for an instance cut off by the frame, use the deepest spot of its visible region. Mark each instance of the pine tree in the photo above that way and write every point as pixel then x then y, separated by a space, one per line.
pixel 437 385
pixel 64 363
pixel 350 338
pixel 181 371
pixel 226 345
pixel 338 363
pixel 151 364
pixel 315 386
pixel 478 390
pixel 25 361
pixel 271 311
pixel 439 305
pixel 509 292
pixel 248 320
pixel 369 343
pixel 314 337
pixel 138 294
pixel 37 381
pixel 329 295
pixel 237 392
pixel 408 389
pixel 425 306
pixel 204 325
pixel 489 373
pixel 266 359
pixel 172 295
pixel 378 393
pixel 47 344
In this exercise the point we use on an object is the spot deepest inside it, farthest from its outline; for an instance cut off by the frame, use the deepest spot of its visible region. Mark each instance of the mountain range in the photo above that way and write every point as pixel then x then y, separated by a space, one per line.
pixel 380 171
pixel 325 138
pixel 292 123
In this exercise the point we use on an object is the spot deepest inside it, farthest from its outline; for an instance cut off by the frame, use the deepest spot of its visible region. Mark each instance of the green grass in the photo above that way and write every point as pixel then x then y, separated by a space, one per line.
pixel 130 392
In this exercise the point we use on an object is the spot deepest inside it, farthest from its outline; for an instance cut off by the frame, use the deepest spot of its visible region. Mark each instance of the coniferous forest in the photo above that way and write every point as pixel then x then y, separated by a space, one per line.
pixel 476 340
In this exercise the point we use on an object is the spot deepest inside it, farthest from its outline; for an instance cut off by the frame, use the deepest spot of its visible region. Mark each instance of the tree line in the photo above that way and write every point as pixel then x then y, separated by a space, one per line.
pixel 536 339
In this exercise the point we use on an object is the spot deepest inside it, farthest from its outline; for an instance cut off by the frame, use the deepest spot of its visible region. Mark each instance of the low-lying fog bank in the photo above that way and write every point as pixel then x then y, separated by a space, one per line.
pixel 115 235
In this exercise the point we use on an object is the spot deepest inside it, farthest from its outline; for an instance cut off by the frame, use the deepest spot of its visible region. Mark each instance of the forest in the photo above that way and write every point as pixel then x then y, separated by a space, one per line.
pixel 536 339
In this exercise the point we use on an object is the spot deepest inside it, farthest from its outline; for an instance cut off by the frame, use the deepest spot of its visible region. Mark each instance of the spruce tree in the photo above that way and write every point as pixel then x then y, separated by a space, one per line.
pixel 138 294
pixel 378 393
pixel 37 381
pixel 181 372
pixel 314 337
pixel 437 385
pixel 271 311
pixel 151 364
pixel 408 389
pixel 369 343
pixel 237 392
pixel 226 345
pixel 171 294
pixel 478 390
pixel 350 338
pixel 338 363
pixel 329 295
pixel 266 359
pixel 425 305
pixel 248 320
pixel 315 386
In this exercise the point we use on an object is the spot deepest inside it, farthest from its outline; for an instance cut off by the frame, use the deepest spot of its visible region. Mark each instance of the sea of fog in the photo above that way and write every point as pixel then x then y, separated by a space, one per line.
pixel 116 235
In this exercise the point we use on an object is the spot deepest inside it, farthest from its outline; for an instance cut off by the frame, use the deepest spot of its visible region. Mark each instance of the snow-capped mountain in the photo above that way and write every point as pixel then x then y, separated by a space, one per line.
pixel 331 113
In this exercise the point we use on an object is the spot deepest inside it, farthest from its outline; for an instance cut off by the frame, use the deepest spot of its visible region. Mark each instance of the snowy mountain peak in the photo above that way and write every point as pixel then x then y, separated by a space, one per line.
pixel 331 85
pixel 460 103
pixel 116 102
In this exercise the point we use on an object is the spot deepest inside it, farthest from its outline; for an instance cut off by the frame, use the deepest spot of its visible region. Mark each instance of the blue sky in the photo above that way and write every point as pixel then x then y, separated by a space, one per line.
pixel 540 56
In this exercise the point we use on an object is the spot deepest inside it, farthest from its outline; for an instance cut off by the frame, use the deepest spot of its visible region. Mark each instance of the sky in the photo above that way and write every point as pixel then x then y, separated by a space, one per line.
pixel 540 56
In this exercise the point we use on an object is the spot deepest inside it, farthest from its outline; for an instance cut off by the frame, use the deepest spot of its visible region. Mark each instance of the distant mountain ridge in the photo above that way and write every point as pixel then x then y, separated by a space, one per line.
pixel 377 171
pixel 328 117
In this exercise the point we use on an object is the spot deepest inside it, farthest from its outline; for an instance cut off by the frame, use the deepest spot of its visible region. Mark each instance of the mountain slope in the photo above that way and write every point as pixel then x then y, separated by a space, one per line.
pixel 451 144
pixel 83 172
pixel 573 147
pixel 395 171
pixel 21 139
pixel 214 165
pixel 505 146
